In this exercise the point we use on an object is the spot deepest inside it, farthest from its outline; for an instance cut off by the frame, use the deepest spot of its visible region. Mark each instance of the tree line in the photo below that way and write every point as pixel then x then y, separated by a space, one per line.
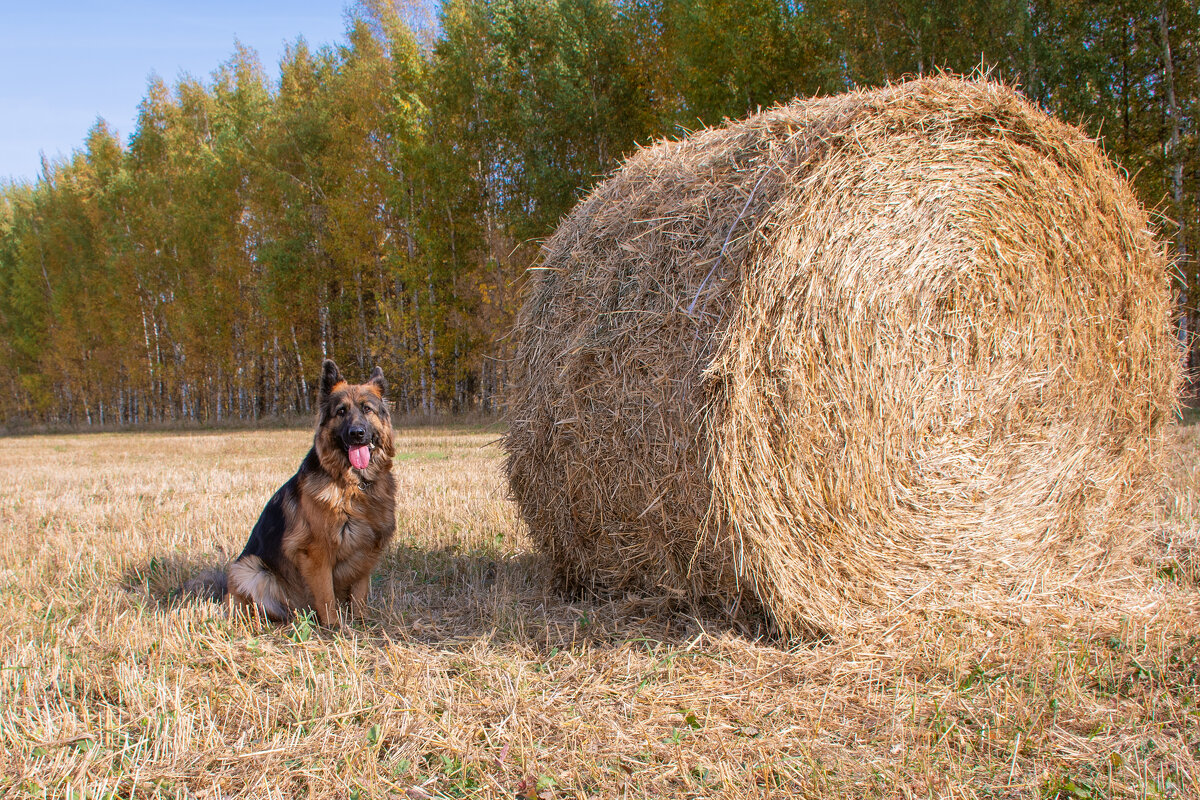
pixel 377 200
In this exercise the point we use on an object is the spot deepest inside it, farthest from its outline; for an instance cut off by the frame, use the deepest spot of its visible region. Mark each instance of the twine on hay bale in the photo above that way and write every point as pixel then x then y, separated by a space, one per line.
pixel 851 347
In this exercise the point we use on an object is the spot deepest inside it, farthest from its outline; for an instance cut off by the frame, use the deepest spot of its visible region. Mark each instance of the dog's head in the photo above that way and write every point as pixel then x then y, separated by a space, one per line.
pixel 354 427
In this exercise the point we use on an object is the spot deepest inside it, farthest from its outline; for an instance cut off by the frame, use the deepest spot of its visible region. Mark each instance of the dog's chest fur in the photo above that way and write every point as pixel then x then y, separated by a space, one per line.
pixel 355 536
pixel 351 518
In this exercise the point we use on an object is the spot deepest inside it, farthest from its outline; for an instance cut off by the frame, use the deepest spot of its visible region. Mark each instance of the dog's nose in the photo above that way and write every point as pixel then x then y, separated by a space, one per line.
pixel 358 434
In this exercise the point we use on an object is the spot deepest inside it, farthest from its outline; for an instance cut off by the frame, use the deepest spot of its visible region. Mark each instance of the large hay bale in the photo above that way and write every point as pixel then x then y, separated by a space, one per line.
pixel 818 360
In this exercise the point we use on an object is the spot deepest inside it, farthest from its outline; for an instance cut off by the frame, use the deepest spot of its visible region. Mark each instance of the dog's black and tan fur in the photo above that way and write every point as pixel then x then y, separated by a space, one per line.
pixel 321 535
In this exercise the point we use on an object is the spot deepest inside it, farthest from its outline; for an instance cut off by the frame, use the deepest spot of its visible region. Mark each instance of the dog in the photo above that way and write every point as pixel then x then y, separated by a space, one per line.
pixel 322 534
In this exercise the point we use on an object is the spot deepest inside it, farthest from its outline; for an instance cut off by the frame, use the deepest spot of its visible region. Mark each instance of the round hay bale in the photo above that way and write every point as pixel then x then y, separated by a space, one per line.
pixel 818 360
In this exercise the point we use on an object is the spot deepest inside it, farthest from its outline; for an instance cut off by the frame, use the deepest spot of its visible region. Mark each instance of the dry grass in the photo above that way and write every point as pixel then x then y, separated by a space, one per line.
pixel 470 679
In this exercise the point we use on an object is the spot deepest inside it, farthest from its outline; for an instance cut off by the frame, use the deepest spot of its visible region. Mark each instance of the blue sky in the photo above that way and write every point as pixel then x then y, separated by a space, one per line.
pixel 64 64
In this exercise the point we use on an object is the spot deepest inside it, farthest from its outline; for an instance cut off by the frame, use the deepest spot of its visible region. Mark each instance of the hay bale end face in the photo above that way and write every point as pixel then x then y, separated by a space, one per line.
pixel 814 361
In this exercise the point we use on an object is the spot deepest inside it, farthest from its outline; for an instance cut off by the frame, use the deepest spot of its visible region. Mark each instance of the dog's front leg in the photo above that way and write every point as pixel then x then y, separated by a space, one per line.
pixel 358 596
pixel 317 569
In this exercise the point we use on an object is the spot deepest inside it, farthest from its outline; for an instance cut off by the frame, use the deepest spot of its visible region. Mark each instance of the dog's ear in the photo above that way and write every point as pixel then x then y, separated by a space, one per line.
pixel 378 380
pixel 330 376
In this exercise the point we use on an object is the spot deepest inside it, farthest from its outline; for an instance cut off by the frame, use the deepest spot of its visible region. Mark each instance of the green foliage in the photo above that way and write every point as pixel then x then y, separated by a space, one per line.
pixel 1066 787
pixel 728 58
pixel 303 627
pixel 378 201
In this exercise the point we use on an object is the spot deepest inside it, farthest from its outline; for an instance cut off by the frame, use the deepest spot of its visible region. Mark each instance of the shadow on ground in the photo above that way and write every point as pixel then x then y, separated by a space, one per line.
pixel 447 596
pixel 171 581
pixel 452 597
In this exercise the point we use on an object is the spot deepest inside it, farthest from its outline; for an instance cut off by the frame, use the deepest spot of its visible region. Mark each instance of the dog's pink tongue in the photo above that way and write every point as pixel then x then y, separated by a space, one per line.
pixel 360 456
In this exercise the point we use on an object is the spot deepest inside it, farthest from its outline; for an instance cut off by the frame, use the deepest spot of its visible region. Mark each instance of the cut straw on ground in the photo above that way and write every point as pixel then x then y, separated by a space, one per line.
pixel 471 678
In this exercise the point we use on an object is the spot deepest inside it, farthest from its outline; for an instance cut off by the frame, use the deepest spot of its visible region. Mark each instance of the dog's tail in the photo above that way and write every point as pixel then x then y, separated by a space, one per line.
pixel 211 584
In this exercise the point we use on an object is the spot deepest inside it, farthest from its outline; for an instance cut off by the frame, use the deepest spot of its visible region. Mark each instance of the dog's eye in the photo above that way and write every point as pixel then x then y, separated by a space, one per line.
pixel 341 412
pixel 368 409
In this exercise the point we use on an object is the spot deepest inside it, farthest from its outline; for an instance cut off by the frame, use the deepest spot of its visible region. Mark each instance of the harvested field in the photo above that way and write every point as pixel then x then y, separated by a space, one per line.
pixel 471 679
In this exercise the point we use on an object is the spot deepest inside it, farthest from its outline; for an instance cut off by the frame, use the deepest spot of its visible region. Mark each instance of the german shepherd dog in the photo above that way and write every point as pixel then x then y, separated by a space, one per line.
pixel 323 532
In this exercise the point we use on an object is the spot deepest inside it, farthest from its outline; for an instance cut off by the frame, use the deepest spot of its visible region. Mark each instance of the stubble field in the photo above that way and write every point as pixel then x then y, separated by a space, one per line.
pixel 472 678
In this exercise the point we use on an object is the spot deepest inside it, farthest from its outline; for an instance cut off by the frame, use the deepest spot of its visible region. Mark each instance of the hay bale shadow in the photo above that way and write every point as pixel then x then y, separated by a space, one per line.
pixel 451 596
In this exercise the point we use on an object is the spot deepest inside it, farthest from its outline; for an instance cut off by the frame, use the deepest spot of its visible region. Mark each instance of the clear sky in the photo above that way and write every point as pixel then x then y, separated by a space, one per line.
pixel 66 63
